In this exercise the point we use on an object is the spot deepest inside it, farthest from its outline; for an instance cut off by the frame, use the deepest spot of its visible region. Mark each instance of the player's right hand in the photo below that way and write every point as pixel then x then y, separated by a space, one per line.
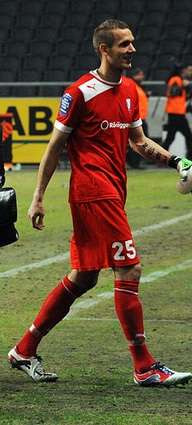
pixel 36 214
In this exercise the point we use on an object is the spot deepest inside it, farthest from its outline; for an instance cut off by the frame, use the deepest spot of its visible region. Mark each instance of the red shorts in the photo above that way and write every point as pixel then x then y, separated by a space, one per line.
pixel 102 237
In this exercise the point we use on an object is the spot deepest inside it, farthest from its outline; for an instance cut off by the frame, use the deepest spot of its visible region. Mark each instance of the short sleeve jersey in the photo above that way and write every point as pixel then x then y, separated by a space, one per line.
pixel 98 116
pixel 143 102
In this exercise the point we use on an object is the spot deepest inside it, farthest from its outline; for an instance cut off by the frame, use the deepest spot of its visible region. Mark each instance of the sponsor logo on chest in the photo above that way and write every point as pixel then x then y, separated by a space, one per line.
pixel 115 124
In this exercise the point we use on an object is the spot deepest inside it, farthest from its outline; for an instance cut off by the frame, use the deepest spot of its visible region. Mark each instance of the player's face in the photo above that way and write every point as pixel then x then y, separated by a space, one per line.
pixel 121 53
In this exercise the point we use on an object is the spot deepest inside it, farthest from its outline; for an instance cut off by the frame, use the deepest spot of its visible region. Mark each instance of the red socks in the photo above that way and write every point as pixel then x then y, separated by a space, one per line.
pixel 57 305
pixel 142 358
pixel 130 313
pixel 54 309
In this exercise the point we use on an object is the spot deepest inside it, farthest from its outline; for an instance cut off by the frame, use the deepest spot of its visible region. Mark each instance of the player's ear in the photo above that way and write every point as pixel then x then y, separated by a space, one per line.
pixel 103 49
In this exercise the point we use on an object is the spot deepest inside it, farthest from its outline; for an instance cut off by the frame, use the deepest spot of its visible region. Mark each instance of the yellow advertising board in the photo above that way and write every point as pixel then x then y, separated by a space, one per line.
pixel 33 120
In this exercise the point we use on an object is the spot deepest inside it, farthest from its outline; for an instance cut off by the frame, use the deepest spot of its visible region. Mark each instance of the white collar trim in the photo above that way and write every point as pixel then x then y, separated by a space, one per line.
pixel 96 75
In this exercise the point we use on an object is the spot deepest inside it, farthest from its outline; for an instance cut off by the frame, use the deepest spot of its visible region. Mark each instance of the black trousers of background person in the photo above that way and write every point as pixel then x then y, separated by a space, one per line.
pixel 1 154
pixel 177 122
pixel 133 158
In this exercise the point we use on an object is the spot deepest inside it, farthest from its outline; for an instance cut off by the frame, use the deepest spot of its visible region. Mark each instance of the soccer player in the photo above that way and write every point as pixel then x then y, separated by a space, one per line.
pixel 98 116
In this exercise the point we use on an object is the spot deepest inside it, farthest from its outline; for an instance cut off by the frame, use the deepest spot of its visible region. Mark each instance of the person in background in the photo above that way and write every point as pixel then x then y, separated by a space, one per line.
pixel 98 117
pixel 2 171
pixel 133 158
pixel 178 84
pixel 189 90
pixel 188 72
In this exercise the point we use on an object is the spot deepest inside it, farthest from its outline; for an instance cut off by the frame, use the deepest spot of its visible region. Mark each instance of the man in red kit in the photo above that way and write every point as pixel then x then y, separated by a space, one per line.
pixel 98 116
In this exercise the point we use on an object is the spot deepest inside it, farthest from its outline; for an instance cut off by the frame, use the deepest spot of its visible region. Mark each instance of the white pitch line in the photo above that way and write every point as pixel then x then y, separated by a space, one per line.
pixel 187 264
pixel 108 319
pixel 62 257
pixel 85 305
pixel 162 224
pixel 151 277
pixel 37 265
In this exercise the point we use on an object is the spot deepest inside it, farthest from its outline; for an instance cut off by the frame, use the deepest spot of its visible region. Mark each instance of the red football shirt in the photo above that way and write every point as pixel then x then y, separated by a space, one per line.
pixel 97 115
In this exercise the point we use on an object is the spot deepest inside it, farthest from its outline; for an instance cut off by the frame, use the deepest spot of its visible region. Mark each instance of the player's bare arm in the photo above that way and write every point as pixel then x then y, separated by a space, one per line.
pixel 147 147
pixel 151 150
pixel 46 169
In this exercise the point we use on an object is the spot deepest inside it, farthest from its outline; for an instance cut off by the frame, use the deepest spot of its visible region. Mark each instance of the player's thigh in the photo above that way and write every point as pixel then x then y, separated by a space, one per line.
pixel 102 236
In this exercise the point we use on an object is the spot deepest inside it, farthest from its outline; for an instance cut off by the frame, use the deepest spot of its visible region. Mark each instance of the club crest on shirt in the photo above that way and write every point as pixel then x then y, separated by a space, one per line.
pixel 128 103
pixel 65 105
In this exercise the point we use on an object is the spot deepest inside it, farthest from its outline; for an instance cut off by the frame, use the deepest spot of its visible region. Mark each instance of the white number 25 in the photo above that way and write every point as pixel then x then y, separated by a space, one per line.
pixel 131 251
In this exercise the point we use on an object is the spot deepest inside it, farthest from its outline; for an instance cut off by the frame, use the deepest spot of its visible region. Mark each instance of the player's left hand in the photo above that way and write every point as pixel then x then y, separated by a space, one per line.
pixel 184 167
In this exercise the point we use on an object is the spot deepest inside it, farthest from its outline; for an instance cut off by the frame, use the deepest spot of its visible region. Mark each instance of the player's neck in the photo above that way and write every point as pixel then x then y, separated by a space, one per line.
pixel 108 74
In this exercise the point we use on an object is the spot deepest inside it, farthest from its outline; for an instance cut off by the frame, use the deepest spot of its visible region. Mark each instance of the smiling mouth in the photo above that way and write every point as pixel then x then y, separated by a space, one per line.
pixel 128 58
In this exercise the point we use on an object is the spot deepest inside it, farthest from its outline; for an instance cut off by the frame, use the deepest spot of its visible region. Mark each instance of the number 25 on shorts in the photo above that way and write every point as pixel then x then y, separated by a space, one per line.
pixel 124 249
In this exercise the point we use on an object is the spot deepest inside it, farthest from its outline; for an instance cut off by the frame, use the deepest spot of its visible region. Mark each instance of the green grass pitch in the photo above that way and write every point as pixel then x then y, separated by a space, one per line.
pixel 88 350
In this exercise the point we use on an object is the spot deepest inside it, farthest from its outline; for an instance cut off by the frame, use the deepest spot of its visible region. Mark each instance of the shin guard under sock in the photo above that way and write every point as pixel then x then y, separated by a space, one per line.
pixel 54 309
pixel 130 314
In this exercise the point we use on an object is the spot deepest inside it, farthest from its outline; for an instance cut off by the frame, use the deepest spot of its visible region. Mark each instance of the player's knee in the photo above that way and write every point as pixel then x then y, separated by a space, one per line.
pixel 136 271
pixel 91 280
pixel 129 273
pixel 85 280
